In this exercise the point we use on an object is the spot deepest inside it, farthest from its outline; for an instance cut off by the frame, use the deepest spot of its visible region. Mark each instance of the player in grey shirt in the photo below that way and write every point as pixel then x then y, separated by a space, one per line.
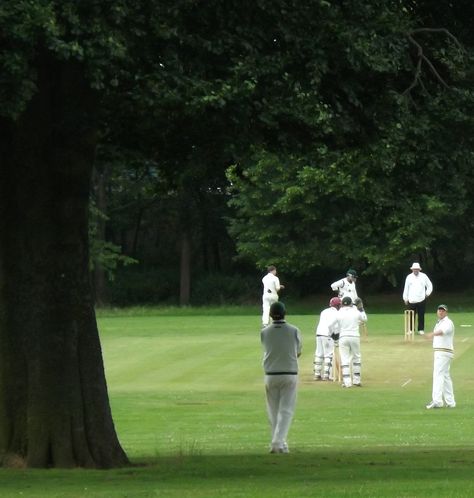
pixel 282 345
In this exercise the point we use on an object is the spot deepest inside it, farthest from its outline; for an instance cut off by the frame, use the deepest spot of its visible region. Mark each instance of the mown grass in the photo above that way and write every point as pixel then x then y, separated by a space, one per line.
pixel 187 398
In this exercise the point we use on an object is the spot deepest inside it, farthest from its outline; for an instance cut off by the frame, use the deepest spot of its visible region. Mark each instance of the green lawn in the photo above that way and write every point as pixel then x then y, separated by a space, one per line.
pixel 187 397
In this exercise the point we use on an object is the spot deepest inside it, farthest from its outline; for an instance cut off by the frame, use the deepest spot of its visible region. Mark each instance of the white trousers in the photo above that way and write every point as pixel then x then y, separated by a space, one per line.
pixel 323 356
pixel 442 383
pixel 349 349
pixel 267 301
pixel 281 401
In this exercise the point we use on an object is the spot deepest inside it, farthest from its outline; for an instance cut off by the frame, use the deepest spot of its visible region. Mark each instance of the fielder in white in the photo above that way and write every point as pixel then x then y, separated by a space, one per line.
pixel 350 318
pixel 443 346
pixel 346 286
pixel 327 328
pixel 282 345
pixel 271 287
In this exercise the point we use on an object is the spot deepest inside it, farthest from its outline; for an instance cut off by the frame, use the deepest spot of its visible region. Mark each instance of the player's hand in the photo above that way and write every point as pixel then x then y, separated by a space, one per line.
pixel 359 304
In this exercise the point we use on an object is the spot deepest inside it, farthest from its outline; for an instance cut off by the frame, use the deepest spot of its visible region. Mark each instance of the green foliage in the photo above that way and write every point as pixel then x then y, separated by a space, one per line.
pixel 386 177
pixel 226 290
pixel 91 33
pixel 343 121
pixel 102 253
pixel 141 286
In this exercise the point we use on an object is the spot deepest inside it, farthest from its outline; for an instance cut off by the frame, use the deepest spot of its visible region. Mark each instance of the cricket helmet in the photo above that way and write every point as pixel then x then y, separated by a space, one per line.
pixel 351 273
pixel 346 301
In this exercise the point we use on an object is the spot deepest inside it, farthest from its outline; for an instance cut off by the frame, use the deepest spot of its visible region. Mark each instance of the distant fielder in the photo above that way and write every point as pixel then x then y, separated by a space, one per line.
pixel 271 287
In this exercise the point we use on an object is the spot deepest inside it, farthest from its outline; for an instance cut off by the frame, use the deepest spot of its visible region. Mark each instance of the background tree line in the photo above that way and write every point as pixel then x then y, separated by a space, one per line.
pixel 312 135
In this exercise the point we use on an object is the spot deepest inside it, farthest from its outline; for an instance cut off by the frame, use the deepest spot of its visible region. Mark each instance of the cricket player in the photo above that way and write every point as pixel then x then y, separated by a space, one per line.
pixel 326 330
pixel 350 317
pixel 346 286
pixel 282 345
pixel 417 288
pixel 443 346
pixel 271 287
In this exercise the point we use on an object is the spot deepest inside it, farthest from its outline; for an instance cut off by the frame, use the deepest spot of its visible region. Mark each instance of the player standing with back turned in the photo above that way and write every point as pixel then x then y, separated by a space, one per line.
pixel 271 287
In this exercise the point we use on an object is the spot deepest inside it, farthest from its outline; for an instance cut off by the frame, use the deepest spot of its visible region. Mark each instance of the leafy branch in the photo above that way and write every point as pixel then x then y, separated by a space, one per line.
pixel 422 58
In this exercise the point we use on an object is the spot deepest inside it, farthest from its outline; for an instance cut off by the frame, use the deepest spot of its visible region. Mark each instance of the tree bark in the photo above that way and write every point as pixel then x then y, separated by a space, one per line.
pixel 54 405
pixel 100 282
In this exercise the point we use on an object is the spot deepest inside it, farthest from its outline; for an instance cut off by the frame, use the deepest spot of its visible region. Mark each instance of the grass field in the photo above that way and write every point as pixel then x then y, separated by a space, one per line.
pixel 187 397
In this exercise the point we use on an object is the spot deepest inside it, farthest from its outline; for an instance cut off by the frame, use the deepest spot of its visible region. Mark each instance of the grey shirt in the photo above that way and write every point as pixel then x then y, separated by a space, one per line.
pixel 282 345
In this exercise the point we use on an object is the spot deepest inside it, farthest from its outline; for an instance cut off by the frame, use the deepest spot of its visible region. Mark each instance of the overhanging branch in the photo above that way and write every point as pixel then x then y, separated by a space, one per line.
pixel 422 58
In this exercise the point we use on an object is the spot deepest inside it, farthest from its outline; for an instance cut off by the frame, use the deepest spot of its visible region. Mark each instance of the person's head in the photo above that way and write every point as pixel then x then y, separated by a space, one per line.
pixel 271 269
pixel 335 302
pixel 415 268
pixel 277 311
pixel 346 301
pixel 442 311
pixel 351 275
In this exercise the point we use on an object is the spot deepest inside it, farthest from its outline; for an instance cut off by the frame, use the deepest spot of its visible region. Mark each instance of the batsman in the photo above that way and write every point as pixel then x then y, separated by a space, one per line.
pixel 350 317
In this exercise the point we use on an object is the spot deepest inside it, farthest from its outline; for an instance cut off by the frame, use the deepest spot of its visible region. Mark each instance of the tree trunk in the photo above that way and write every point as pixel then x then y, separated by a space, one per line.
pixel 54 406
pixel 100 283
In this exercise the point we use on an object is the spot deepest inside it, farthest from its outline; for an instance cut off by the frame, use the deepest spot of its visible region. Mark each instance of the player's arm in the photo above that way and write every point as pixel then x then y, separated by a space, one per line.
pixel 430 335
pixel 335 286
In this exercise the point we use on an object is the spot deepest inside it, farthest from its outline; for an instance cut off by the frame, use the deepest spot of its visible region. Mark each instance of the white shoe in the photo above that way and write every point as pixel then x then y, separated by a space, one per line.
pixel 432 405
pixel 451 406
pixel 421 332
pixel 279 449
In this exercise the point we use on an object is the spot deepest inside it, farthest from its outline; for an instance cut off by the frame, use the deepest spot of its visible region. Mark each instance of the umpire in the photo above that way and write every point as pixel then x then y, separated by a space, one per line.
pixel 282 345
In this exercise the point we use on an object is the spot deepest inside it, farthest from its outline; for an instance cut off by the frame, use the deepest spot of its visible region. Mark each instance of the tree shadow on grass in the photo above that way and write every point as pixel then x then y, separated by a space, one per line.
pixel 410 472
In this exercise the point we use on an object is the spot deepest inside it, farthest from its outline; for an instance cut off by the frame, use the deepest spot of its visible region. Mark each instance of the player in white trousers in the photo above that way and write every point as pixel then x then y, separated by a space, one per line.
pixel 282 345
pixel 350 318
pixel 271 287
pixel 327 328
pixel 443 347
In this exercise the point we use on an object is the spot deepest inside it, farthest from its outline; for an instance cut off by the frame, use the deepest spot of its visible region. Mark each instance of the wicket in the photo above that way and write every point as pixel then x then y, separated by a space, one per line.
pixel 409 325
pixel 336 366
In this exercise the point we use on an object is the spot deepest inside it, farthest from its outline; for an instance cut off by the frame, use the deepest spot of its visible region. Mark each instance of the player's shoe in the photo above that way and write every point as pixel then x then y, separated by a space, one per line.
pixel 451 406
pixel 433 405
pixel 279 449
pixel 421 332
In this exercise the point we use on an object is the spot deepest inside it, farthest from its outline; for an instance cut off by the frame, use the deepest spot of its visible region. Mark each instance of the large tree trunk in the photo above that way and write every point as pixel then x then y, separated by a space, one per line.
pixel 99 183
pixel 54 406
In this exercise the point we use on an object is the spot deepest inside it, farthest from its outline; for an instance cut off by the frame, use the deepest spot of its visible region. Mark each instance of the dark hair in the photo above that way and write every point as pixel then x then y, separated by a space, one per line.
pixel 277 310
pixel 271 268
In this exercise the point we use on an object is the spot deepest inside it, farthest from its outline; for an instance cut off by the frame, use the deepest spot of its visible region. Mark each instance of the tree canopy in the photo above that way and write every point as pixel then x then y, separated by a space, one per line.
pixel 385 176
